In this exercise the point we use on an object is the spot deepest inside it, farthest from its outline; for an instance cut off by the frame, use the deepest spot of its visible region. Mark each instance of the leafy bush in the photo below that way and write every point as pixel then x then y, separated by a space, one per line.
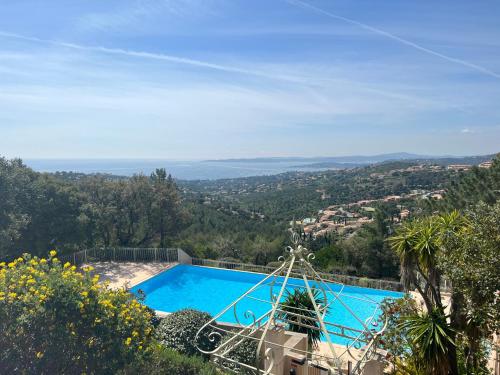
pixel 166 361
pixel 245 353
pixel 57 320
pixel 178 331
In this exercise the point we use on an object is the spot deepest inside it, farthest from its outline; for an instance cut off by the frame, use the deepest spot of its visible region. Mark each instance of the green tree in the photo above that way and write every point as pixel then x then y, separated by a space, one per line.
pixel 418 243
pixel 471 261
pixel 165 217
pixel 56 320
pixel 464 249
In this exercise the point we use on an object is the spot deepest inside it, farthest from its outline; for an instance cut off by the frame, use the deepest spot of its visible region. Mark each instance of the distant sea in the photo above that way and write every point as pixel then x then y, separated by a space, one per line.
pixel 184 170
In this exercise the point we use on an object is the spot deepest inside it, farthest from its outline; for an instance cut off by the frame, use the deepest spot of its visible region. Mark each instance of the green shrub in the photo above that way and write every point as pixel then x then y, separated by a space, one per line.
pixel 166 361
pixel 243 353
pixel 178 331
pixel 56 320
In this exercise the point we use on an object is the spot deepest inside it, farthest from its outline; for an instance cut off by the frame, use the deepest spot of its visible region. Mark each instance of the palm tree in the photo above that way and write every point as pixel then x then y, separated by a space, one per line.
pixel 417 244
pixel 297 310
pixel 420 244
pixel 432 337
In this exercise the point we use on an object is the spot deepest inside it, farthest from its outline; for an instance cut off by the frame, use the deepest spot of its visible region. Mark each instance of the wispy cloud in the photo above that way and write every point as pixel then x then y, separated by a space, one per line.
pixel 467 131
pixel 303 80
pixel 398 39
pixel 130 14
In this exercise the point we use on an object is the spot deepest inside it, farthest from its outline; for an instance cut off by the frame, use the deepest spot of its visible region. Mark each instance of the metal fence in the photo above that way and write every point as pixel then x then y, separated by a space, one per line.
pixel 344 279
pixel 126 254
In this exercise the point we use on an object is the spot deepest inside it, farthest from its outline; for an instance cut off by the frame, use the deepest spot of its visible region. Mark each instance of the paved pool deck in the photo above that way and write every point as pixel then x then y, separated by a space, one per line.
pixel 127 274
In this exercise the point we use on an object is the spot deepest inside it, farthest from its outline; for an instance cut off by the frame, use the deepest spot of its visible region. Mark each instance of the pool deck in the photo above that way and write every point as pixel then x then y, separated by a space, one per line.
pixel 127 274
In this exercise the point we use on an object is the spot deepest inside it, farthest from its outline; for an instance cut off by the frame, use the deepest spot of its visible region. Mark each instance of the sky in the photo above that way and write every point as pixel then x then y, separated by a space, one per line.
pixel 205 79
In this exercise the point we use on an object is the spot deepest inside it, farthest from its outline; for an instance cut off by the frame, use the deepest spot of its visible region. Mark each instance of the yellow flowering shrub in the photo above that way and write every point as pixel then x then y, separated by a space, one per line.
pixel 55 318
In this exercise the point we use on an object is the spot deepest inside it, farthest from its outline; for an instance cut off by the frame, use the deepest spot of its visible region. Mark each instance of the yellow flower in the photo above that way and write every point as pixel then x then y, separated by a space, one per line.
pixel 12 295
pixel 84 293
pixel 39 354
pixel 43 261
pixel 53 253
pixel 67 265
pixel 128 341
pixel 12 264
pixel 2 264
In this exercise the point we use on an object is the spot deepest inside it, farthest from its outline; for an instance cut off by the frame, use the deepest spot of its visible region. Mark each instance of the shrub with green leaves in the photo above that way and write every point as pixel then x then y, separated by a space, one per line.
pixel 245 353
pixel 166 361
pixel 55 319
pixel 178 331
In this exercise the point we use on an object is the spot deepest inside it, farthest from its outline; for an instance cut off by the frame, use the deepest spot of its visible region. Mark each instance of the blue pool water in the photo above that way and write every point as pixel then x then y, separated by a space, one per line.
pixel 211 290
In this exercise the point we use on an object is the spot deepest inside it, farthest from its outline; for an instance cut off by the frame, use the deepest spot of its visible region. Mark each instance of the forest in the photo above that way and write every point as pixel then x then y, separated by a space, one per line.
pixel 243 219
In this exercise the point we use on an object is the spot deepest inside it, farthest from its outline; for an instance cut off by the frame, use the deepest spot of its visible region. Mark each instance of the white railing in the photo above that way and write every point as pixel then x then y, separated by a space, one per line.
pixel 127 254
pixel 344 279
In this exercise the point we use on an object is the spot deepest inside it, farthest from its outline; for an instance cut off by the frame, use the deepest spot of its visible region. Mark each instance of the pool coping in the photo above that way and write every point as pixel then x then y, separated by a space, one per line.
pixel 129 286
pixel 258 273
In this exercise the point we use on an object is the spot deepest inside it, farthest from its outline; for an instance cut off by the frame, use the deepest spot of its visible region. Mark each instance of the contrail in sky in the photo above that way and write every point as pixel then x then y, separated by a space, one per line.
pixel 307 81
pixel 149 55
pixel 396 38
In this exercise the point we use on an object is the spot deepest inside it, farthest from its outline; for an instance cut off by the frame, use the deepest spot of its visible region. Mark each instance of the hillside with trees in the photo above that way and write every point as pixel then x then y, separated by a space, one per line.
pixel 245 219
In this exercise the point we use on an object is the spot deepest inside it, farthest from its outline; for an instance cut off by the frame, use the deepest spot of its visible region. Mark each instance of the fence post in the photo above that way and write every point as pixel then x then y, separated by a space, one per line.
pixel 156 256
pixel 74 258
pixel 85 255
pixel 133 250
pixel 114 254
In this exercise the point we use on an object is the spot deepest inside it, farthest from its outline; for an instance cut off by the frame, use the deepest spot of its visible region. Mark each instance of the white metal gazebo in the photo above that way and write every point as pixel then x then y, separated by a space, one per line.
pixel 266 329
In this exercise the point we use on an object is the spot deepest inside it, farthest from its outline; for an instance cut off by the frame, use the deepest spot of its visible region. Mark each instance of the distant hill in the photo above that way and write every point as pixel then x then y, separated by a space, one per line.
pixel 363 159
pixel 407 158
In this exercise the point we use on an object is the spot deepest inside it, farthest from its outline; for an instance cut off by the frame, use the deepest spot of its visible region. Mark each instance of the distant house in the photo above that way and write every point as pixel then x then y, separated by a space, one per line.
pixel 308 220
pixel 459 167
pixel 486 164
pixel 368 209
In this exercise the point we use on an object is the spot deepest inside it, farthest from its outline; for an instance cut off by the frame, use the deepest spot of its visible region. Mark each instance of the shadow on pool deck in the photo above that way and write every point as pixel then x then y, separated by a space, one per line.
pixel 127 274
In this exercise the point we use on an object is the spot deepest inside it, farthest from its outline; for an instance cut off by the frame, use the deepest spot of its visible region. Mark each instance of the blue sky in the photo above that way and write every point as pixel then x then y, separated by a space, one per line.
pixel 195 79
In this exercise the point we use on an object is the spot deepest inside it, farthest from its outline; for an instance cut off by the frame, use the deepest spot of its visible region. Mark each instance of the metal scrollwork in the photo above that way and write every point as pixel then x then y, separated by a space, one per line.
pixel 294 272
pixel 249 314
pixel 269 355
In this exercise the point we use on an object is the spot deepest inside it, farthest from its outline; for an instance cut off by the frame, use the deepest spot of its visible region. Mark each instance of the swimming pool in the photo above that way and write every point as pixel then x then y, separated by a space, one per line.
pixel 212 289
